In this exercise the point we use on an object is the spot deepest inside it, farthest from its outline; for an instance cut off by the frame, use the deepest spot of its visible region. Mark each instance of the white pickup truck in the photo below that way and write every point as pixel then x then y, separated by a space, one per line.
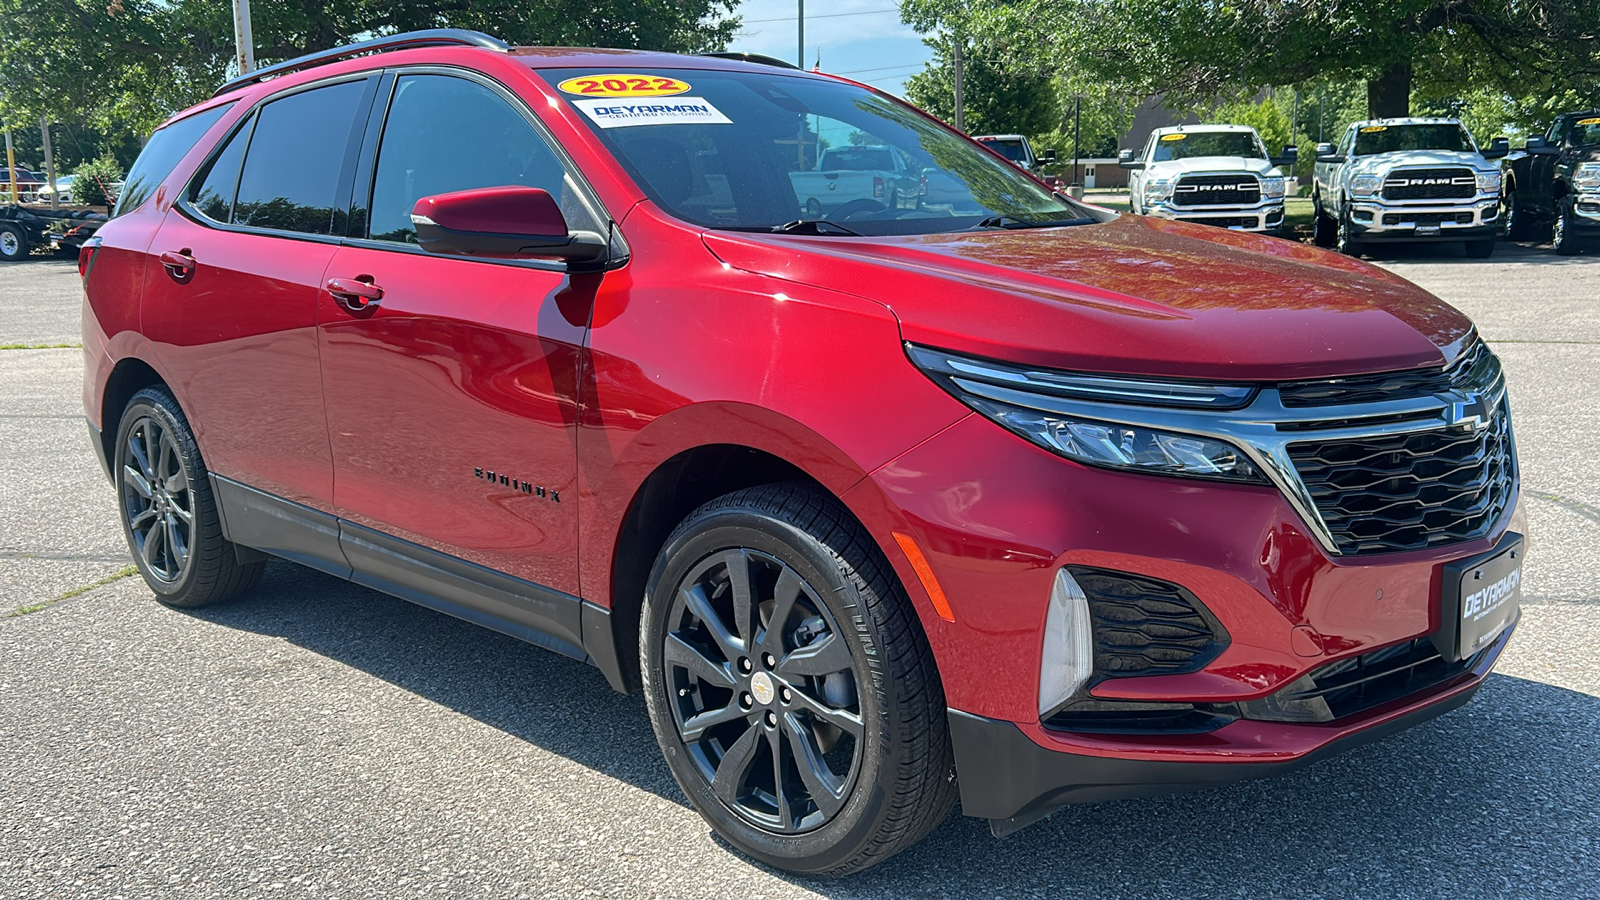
pixel 867 178
pixel 1408 180
pixel 1210 174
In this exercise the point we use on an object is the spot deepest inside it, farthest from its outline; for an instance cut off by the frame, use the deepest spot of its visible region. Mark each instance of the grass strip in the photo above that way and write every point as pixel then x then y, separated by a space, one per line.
pixel 41 346
pixel 118 575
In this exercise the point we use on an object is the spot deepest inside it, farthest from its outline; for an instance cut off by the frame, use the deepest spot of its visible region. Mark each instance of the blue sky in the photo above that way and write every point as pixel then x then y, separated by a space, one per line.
pixel 861 39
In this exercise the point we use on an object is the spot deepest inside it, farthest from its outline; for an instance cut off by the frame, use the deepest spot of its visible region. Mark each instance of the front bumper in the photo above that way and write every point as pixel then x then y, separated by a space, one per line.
pixel 1586 214
pixel 1266 216
pixel 1421 221
pixel 1015 775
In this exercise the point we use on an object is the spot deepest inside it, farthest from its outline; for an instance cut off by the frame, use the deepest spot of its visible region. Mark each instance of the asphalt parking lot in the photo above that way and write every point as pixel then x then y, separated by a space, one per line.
pixel 318 739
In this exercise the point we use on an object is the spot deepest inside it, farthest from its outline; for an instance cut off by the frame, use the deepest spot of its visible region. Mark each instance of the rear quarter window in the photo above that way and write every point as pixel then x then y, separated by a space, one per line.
pixel 161 155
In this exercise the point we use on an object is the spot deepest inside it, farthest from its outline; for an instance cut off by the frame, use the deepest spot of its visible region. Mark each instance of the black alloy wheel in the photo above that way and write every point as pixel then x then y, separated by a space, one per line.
pixel 765 695
pixel 790 686
pixel 169 515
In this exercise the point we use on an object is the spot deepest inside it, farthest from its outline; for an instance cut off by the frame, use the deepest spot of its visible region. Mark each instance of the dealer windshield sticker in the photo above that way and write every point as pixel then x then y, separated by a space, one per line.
pixel 1595 121
pixel 1173 137
pixel 1371 128
pixel 620 85
pixel 676 111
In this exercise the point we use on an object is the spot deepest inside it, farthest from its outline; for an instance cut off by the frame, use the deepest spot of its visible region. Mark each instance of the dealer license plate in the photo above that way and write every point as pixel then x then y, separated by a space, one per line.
pixel 1489 593
pixel 1427 230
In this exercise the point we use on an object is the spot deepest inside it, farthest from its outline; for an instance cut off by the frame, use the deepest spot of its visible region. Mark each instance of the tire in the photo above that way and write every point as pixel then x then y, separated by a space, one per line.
pixel 13 243
pixel 169 515
pixel 1562 239
pixel 1324 230
pixel 1480 249
pixel 875 773
pixel 813 208
pixel 1519 224
pixel 1345 239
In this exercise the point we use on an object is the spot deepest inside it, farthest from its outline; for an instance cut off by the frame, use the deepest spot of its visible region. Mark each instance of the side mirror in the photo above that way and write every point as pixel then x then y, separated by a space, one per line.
pixel 1125 160
pixel 509 222
pixel 1327 153
pixel 1538 146
pixel 1498 148
pixel 1048 157
pixel 1291 155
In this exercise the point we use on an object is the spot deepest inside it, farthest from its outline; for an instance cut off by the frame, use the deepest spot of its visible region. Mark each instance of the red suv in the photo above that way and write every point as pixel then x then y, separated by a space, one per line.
pixel 1004 497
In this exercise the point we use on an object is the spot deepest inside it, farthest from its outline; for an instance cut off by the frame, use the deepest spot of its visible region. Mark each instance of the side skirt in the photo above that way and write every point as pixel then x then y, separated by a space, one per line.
pixel 524 610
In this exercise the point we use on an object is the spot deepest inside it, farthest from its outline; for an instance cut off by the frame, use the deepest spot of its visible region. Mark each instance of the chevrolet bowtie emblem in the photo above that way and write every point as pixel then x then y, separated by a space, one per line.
pixel 1471 414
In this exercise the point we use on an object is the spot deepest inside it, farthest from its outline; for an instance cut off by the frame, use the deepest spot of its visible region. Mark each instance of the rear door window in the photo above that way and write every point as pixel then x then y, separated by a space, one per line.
pixel 445 134
pixel 293 168
pixel 162 153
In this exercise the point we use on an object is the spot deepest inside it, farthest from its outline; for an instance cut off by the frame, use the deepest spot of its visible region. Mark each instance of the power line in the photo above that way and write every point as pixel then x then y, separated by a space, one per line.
pixel 880 69
pixel 870 12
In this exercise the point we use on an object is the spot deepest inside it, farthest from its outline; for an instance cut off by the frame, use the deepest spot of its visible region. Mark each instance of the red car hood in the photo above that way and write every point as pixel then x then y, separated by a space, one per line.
pixel 1134 296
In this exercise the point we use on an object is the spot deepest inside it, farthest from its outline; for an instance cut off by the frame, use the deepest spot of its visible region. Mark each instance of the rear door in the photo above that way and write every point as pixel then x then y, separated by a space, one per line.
pixel 452 401
pixel 231 289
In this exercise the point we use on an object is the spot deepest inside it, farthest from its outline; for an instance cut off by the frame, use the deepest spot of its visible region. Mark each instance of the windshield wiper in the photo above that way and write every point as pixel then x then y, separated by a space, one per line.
pixel 813 226
pixel 1005 220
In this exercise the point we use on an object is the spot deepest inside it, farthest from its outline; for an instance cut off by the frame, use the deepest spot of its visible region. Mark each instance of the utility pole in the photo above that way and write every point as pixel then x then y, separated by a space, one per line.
pixel 1077 133
pixel 242 40
pixel 800 58
pixel 961 124
pixel 11 167
pixel 49 162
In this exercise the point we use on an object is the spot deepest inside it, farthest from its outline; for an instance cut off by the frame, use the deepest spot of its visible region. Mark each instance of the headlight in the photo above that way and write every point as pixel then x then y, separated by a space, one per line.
pixel 1272 187
pixel 1157 189
pixel 1365 185
pixel 1587 177
pixel 1031 403
pixel 1489 182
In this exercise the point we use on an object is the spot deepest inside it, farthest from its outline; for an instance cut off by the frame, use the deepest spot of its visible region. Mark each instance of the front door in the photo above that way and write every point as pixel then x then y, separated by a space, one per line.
pixel 452 400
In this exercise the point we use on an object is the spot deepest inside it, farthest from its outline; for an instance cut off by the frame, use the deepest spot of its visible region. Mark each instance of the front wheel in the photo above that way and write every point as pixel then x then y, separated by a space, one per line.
pixel 1346 239
pixel 789 685
pixel 169 515
pixel 1562 239
pixel 1480 249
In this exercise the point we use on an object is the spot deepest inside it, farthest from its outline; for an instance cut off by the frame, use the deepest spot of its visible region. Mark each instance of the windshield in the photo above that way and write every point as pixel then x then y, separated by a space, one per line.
pixel 1011 149
pixel 1372 139
pixel 1191 144
pixel 1585 131
pixel 758 150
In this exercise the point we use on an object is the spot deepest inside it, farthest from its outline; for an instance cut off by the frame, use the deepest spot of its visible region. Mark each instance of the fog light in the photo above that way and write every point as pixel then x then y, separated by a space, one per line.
pixel 1068 656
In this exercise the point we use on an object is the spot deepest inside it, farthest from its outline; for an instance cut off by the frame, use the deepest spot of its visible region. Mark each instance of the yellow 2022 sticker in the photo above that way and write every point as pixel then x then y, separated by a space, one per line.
pixel 1374 128
pixel 1589 121
pixel 1173 137
pixel 619 85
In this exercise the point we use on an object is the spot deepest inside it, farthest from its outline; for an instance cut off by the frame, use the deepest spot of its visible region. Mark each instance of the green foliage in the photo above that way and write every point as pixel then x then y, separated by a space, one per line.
pixel 1197 51
pixel 121 67
pixel 996 99
pixel 94 179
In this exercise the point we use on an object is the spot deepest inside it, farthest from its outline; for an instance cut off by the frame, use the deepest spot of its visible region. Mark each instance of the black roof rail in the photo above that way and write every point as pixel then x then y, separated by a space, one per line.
pixel 433 37
pixel 755 58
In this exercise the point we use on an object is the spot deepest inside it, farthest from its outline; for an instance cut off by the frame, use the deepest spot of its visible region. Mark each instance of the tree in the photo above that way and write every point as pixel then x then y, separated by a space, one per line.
pixel 128 64
pixel 995 99
pixel 1198 50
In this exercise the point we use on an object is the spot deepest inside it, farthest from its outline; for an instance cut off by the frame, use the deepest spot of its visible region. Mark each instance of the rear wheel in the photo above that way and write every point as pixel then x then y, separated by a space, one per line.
pixel 169 515
pixel 1520 226
pixel 790 688
pixel 13 243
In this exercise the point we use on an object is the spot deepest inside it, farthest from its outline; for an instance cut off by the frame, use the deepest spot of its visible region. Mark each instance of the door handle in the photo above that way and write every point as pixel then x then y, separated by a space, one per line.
pixel 355 294
pixel 179 265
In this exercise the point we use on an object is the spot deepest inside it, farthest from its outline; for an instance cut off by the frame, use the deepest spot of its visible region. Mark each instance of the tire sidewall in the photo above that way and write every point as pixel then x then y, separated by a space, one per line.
pixel 22 243
pixel 154 404
pixel 859 820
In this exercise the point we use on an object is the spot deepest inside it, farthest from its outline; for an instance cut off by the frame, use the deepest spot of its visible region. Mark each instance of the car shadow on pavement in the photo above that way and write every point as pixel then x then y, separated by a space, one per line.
pixel 1501 798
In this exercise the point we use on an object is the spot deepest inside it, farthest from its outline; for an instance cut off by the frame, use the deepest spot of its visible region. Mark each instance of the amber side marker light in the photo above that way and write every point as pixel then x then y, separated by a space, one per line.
pixel 919 563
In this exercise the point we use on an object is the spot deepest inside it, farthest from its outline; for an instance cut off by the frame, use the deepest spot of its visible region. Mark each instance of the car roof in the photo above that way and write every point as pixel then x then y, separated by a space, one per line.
pixel 1408 120
pixel 1196 129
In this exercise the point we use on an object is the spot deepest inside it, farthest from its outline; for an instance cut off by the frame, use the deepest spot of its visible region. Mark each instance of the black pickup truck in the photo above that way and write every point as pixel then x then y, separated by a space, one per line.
pixel 23 230
pixel 1552 188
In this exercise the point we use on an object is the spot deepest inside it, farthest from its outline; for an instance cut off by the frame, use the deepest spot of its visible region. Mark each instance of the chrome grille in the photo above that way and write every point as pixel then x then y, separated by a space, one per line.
pixel 1430 184
pixel 1476 368
pixel 1240 189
